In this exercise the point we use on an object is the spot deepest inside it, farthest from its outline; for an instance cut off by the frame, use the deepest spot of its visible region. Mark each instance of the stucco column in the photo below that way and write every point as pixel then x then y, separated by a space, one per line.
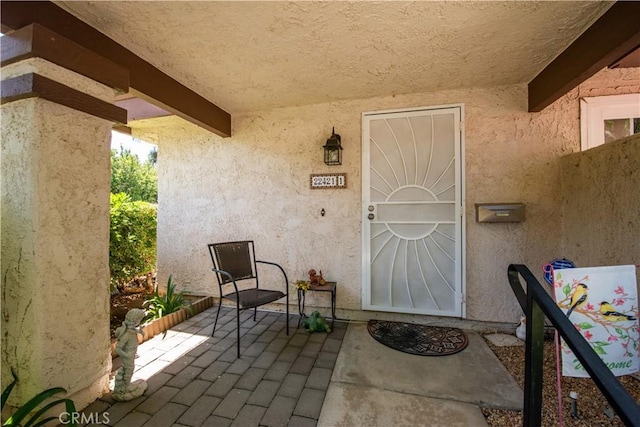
pixel 55 183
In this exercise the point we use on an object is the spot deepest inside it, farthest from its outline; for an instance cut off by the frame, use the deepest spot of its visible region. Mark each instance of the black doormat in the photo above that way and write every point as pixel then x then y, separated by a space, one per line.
pixel 418 339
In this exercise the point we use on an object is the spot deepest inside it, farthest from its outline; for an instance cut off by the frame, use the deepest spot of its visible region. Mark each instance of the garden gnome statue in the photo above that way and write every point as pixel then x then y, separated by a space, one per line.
pixel 127 336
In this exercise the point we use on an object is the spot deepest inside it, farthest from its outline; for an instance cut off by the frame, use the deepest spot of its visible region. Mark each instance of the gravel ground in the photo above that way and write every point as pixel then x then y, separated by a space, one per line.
pixel 591 403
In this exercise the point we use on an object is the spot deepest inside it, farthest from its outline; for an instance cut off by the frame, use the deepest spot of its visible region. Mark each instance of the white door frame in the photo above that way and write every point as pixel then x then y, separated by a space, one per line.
pixel 460 211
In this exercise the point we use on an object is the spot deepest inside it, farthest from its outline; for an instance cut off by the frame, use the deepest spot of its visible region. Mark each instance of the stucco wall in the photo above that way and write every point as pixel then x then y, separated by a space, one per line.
pixel 255 185
pixel 55 234
pixel 601 204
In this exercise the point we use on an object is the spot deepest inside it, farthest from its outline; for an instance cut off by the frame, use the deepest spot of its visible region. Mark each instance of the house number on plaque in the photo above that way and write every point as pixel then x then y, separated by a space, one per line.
pixel 333 180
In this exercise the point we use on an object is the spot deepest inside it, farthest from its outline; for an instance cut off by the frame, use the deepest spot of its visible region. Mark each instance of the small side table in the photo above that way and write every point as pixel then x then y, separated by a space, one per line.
pixel 327 287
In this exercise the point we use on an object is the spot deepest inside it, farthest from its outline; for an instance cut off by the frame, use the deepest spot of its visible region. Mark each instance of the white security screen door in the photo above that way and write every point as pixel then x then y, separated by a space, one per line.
pixel 412 211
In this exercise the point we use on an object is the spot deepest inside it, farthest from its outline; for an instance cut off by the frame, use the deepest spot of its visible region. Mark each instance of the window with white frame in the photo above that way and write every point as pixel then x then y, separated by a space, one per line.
pixel 607 118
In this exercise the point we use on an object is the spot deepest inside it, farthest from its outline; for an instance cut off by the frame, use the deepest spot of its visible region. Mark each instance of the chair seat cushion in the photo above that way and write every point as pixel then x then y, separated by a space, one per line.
pixel 254 297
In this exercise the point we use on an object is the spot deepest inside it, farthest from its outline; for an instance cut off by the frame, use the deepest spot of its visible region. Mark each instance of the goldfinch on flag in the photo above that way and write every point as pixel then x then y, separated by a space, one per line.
pixel 578 297
pixel 610 313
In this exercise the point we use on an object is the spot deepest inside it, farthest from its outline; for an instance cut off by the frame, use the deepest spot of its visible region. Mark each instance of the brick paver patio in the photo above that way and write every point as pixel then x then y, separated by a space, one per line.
pixel 196 380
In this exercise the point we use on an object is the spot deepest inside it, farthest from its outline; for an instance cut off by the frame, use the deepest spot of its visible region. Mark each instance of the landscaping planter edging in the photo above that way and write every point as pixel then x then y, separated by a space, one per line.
pixel 164 323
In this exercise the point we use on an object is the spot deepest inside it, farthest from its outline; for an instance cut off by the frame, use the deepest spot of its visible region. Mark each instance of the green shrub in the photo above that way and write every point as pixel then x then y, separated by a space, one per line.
pixel 161 305
pixel 27 413
pixel 128 175
pixel 132 244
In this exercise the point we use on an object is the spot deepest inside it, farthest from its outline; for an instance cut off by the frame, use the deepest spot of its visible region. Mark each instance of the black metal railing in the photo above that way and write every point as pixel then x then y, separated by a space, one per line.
pixel 537 304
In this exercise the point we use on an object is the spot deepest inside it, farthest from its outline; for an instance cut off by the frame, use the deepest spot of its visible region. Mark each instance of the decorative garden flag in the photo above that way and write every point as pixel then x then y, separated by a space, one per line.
pixel 602 303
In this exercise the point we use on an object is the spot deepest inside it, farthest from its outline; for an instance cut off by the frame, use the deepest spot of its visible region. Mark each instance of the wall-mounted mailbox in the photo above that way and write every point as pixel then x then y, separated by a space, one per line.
pixel 499 212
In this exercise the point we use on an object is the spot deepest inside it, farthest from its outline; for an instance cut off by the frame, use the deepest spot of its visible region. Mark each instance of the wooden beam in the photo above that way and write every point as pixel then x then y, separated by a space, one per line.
pixel 155 86
pixel 614 35
pixel 631 60
pixel 36 41
pixel 34 85
pixel 122 129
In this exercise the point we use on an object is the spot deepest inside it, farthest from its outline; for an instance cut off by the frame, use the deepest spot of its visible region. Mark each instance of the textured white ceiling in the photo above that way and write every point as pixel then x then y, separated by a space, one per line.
pixel 251 56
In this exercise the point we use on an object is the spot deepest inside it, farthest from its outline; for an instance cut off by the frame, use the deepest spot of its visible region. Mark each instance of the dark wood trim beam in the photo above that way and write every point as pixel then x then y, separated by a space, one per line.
pixel 614 35
pixel 34 85
pixel 157 87
pixel 631 60
pixel 36 41
pixel 122 129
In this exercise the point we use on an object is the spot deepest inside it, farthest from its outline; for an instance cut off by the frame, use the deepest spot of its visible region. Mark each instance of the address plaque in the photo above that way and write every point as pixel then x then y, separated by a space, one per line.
pixel 328 180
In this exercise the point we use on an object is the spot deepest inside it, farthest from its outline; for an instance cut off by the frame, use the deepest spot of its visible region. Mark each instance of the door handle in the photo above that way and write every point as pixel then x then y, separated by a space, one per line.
pixel 371 216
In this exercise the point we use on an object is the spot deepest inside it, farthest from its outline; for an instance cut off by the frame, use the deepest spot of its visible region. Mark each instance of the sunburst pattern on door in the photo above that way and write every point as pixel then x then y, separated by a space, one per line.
pixel 412 199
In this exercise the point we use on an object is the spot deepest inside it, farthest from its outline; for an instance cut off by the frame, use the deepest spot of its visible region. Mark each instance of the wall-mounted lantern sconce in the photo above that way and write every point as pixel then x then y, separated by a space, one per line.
pixel 333 149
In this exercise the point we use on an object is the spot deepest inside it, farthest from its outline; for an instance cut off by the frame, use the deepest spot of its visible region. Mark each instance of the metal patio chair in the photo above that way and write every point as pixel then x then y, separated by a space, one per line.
pixel 235 263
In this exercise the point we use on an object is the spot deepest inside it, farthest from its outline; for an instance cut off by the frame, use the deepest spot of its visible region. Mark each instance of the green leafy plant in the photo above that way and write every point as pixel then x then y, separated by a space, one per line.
pixel 161 305
pixel 132 240
pixel 25 415
pixel 316 323
pixel 130 176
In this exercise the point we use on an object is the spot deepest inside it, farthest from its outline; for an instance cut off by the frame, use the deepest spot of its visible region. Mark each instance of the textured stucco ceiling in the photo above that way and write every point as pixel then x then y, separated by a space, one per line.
pixel 252 56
